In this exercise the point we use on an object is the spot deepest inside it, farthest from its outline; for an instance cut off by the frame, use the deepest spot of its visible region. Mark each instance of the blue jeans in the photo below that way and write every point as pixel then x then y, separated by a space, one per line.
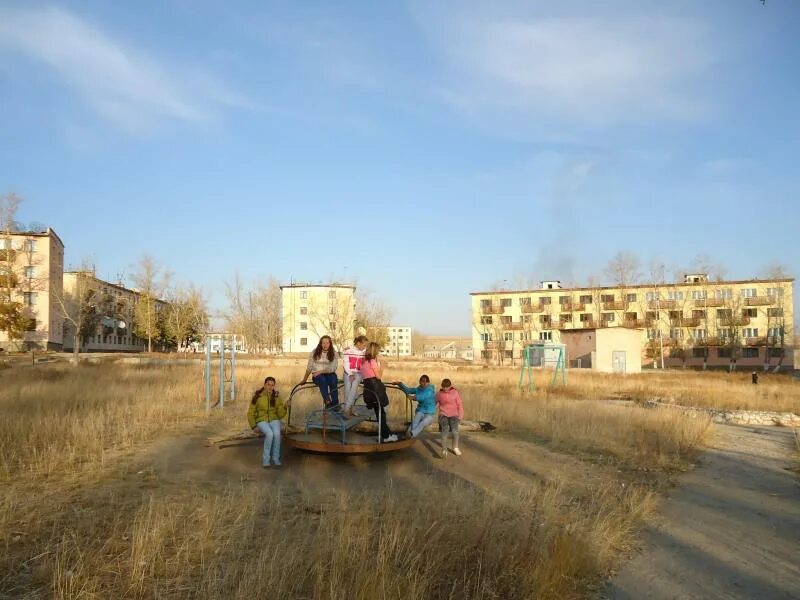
pixel 272 441
pixel 420 421
pixel 328 387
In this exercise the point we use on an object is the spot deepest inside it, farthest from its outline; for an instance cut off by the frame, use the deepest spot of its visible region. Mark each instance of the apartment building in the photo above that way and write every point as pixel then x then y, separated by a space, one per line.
pixel 112 306
pixel 31 277
pixel 398 341
pixel 447 348
pixel 309 311
pixel 694 322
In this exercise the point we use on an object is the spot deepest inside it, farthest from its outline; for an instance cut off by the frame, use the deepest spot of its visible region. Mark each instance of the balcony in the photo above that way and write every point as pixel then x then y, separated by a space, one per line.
pixel 691 321
pixel 532 308
pixel 8 255
pixel 617 305
pixel 637 323
pixel 661 304
pixel 493 309
pixel 755 341
pixel 759 301
pixel 489 345
pixel 511 326
pixel 565 324
pixel 590 324
pixel 709 302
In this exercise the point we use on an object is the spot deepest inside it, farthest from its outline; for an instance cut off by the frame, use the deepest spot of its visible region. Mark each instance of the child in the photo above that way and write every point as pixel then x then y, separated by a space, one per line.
pixel 374 391
pixel 322 368
pixel 451 411
pixel 264 414
pixel 425 396
pixel 352 358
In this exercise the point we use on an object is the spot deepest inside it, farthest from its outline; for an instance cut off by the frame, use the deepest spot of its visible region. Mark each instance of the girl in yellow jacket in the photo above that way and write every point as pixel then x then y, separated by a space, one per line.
pixel 264 414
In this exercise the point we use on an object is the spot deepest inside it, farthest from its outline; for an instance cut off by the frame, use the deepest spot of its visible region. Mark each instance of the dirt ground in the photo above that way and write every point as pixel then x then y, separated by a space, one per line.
pixel 731 529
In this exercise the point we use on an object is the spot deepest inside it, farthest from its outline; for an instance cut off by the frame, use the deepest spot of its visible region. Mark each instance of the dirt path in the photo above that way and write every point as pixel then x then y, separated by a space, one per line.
pixel 731 529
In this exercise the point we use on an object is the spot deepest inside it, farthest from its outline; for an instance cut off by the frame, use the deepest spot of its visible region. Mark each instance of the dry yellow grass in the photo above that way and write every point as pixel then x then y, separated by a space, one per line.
pixel 70 528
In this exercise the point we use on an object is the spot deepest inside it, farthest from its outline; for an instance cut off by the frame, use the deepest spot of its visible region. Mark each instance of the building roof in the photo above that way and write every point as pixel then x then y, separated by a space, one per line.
pixel 108 283
pixel 633 287
pixel 319 285
pixel 50 232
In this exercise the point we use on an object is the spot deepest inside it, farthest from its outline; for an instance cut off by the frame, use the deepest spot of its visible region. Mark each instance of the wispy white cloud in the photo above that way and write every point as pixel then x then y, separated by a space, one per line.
pixel 122 84
pixel 727 166
pixel 595 70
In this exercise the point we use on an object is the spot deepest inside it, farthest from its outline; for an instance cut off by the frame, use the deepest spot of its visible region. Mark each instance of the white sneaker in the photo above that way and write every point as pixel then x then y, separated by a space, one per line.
pixel 391 438
pixel 456 451
pixel 444 453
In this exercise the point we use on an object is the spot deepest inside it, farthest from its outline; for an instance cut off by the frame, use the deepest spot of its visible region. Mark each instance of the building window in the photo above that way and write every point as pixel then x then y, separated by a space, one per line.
pixel 630 297
pixel 607 317
pixel 724 294
pixel 698 334
pixel 675 296
pixel 486 337
pixel 749 352
pixel 774 312
pixel 652 334
pixel 775 352
pixel 30 272
pixel 562 300
pixel 508 336
pixel 776 333
pixel 303 295
pixel 30 325
pixel 505 302
pixel 586 299
pixel 506 320
pixel 698 314
pixel 303 326
pixel 748 292
pixel 750 332
pixel 699 295
pixel 303 310
pixel 606 297
pixel 698 352
pixel 724 313
pixel 546 336
pixel 586 317
pixel 676 333
pixel 774 292
pixel 509 354
pixel 304 341
pixel 332 294
pixel 724 353
pixel 486 320
pixel 29 245
pixel 525 301
pixel 29 298
pixel 544 319
pixel 652 296
pixel 725 333
pixel 750 312
pixel 566 318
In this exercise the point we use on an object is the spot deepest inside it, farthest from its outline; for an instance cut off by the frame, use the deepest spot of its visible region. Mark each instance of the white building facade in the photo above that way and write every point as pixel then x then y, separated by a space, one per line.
pixel 309 311
pixel 398 341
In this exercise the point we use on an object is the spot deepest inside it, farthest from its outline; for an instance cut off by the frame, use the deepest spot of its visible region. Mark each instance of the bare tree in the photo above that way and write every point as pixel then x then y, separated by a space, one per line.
pixel 186 315
pixel 151 282
pixel 255 313
pixel 373 315
pixel 84 307
pixel 779 328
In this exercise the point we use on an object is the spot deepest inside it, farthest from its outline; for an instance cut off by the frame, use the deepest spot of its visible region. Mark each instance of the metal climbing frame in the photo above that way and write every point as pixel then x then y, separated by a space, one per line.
pixel 543 355
pixel 227 370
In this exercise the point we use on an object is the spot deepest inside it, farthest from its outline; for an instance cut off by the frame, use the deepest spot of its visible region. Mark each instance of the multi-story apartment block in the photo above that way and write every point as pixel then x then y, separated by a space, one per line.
pixel 695 322
pixel 31 277
pixel 398 341
pixel 310 311
pixel 112 308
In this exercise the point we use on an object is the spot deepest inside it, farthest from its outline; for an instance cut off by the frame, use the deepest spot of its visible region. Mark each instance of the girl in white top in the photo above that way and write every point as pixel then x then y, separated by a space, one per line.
pixel 322 365
pixel 352 358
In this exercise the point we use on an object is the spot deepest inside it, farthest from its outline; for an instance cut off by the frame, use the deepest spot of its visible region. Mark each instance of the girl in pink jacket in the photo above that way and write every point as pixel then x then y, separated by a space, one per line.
pixel 451 411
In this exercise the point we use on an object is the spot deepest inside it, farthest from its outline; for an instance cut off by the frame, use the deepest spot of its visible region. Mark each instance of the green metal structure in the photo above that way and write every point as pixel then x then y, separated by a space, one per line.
pixel 543 354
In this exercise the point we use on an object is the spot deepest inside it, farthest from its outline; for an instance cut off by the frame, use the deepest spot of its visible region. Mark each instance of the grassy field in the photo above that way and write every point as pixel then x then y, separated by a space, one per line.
pixel 80 517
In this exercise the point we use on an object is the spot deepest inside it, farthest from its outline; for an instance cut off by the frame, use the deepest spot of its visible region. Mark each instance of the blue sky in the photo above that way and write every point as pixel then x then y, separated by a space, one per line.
pixel 428 149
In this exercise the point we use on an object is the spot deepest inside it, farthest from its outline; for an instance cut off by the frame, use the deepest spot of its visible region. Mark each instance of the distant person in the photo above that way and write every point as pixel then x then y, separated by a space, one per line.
pixel 451 412
pixel 322 367
pixel 352 359
pixel 264 414
pixel 425 395
pixel 375 396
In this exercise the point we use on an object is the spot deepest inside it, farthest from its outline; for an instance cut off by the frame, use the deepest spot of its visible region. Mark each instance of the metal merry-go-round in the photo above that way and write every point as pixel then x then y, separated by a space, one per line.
pixel 329 431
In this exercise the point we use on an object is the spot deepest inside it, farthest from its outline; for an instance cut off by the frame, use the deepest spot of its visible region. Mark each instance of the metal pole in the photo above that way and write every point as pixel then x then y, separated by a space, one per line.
pixel 233 370
pixel 207 373
pixel 221 371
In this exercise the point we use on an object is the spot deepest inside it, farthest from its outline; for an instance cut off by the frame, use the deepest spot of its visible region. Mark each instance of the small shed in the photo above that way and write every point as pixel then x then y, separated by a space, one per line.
pixel 606 349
